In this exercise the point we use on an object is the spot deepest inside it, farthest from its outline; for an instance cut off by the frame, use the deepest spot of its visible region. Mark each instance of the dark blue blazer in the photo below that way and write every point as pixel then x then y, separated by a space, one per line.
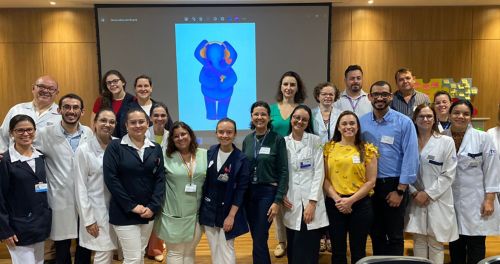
pixel 120 129
pixel 132 182
pixel 23 212
pixel 234 192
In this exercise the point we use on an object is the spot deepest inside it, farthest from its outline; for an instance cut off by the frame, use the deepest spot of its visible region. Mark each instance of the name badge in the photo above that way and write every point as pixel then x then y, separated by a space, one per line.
pixel 305 164
pixel 41 187
pixel 474 164
pixel 387 140
pixel 223 177
pixel 265 150
pixel 210 163
pixel 430 157
pixel 356 159
pixel 190 188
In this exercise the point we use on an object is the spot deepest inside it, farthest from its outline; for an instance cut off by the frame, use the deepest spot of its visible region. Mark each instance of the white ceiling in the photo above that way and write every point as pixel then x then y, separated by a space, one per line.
pixel 90 3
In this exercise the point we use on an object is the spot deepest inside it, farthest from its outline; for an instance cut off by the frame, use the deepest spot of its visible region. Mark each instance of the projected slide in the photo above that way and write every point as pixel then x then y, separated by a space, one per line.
pixel 216 72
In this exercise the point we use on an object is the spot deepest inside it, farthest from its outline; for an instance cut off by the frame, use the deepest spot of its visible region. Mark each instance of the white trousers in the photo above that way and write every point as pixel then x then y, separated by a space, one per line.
pixel 133 239
pixel 103 257
pixel 183 253
pixel 222 250
pixel 428 247
pixel 280 227
pixel 27 254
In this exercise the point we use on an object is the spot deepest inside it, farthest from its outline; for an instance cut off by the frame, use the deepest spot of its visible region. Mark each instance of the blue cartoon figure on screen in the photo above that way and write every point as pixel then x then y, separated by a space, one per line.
pixel 217 76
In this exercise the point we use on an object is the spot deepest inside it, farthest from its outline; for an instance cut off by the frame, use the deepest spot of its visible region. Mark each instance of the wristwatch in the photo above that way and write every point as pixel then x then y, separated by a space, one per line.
pixel 400 192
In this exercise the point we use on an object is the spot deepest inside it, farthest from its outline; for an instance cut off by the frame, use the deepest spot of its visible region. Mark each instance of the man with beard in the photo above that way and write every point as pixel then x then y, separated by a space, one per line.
pixel 59 143
pixel 42 109
pixel 406 99
pixel 396 139
pixel 353 98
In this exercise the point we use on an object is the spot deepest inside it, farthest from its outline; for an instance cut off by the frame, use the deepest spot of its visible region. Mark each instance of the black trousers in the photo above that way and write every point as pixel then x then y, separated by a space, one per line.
pixel 468 249
pixel 388 222
pixel 303 245
pixel 63 253
pixel 357 224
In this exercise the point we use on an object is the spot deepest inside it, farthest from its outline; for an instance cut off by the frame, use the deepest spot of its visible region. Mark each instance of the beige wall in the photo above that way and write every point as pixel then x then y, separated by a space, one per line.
pixel 433 41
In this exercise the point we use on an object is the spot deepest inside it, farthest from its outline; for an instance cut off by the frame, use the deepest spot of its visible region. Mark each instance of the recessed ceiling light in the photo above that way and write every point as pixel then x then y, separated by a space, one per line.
pixel 370 2
pixel 52 3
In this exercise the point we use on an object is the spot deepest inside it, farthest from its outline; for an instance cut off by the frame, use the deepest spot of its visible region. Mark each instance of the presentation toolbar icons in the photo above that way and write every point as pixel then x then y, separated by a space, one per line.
pixel 193 19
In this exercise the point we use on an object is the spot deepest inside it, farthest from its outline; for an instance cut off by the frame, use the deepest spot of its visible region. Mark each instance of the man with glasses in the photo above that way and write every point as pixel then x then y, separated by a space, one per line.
pixel 406 98
pixel 42 109
pixel 396 139
pixel 59 143
pixel 353 98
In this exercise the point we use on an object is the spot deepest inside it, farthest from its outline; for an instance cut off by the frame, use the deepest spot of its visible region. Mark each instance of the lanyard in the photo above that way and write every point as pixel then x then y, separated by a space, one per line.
pixel 354 105
pixel 188 166
pixel 256 142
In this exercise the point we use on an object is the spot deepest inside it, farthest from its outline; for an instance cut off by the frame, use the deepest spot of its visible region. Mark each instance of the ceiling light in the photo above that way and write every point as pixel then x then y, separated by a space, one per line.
pixel 370 2
pixel 52 3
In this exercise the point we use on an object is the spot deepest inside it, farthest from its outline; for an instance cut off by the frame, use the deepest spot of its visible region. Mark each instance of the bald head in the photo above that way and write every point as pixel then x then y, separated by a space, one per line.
pixel 45 90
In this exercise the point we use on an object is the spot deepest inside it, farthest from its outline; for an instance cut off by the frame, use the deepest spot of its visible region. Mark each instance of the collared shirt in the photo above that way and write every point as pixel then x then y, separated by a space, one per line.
pixel 47 118
pixel 359 105
pixel 16 156
pixel 399 104
pixel 140 151
pixel 73 139
pixel 396 139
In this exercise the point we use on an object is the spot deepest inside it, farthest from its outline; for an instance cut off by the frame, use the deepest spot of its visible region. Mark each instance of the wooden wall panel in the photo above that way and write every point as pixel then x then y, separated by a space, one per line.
pixel 438 59
pixel 442 23
pixel 341 58
pixel 390 23
pixel 20 65
pixel 341 24
pixel 73 25
pixel 486 22
pixel 380 59
pixel 20 25
pixel 485 72
pixel 74 66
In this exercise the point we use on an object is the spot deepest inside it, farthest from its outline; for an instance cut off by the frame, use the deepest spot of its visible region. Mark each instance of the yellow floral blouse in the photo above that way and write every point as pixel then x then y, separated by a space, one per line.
pixel 346 172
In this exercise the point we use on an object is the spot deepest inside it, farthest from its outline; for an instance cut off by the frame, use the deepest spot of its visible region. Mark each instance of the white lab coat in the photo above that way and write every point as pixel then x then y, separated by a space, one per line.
pixel 48 118
pixel 60 178
pixel 92 196
pixel 305 184
pixel 494 132
pixel 150 134
pixel 477 173
pixel 319 126
pixel 438 163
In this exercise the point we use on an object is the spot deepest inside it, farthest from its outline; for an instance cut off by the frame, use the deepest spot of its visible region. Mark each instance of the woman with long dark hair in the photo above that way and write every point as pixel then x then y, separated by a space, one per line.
pixel 351 171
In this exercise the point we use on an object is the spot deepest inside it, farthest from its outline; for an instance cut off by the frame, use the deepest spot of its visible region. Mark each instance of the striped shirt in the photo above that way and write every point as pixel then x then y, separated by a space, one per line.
pixel 399 104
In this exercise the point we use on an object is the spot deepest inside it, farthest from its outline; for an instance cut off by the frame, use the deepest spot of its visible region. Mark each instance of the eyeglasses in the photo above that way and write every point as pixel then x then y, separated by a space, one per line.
pixel 69 107
pixel 423 117
pixel 300 118
pixel 21 131
pixel 327 94
pixel 114 81
pixel 382 95
pixel 50 89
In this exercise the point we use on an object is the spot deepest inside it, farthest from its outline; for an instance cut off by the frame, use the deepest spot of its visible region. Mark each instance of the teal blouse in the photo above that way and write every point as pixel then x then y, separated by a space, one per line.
pixel 280 125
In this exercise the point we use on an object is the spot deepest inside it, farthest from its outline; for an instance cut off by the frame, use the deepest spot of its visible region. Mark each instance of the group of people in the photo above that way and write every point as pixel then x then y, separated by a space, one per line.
pixel 379 163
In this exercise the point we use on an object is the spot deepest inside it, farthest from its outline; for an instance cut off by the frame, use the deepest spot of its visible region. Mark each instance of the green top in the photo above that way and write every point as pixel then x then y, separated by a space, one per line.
pixel 271 163
pixel 280 125
pixel 179 215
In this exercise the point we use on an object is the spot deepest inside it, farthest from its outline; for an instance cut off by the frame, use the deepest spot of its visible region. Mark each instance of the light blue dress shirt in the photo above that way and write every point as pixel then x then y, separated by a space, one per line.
pixel 396 139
